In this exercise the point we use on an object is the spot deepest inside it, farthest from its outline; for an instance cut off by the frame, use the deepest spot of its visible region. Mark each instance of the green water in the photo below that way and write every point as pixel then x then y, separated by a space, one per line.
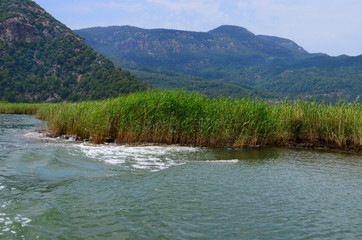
pixel 60 189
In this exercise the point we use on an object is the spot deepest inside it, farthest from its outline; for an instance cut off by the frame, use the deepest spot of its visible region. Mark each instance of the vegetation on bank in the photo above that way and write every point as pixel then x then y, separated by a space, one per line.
pixel 177 117
pixel 18 108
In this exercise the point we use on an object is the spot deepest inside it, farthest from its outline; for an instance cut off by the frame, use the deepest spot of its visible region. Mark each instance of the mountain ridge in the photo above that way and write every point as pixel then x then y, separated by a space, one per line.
pixel 230 54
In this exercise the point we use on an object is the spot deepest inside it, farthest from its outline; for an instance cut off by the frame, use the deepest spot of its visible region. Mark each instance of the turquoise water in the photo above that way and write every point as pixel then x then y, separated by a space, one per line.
pixel 61 189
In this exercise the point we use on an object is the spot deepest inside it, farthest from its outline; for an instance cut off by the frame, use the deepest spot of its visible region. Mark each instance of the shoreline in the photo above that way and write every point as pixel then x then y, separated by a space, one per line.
pixel 317 146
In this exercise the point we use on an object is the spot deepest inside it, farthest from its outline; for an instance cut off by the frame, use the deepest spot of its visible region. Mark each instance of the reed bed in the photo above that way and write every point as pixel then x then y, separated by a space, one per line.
pixel 178 117
pixel 18 108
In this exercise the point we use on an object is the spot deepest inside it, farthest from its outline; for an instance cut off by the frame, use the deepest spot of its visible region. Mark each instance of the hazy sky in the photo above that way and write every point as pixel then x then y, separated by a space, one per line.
pixel 329 26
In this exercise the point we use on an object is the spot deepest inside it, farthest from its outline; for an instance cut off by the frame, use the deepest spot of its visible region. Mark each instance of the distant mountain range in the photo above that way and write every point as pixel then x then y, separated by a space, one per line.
pixel 41 60
pixel 228 61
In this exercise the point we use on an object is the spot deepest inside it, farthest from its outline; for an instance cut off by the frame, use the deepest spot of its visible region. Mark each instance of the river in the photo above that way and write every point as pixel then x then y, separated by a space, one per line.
pixel 62 189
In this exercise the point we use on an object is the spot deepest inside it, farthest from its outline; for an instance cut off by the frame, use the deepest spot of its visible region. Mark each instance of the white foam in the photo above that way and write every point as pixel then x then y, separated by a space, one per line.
pixel 1 187
pixel 34 134
pixel 4 205
pixel 9 223
pixel 43 137
pixel 151 158
pixel 144 157
pixel 24 221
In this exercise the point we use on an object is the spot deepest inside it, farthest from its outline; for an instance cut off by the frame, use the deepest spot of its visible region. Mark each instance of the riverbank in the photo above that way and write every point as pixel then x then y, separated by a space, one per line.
pixel 177 117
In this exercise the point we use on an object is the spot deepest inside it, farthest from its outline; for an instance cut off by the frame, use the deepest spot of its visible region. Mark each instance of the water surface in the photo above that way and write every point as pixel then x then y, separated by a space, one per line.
pixel 61 189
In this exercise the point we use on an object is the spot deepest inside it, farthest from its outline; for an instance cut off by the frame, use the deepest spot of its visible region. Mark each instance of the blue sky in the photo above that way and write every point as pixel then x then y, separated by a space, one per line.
pixel 328 26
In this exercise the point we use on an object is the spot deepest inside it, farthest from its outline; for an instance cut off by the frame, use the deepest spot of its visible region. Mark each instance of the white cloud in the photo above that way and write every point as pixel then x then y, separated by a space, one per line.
pixel 105 5
pixel 316 25
pixel 176 5
pixel 124 6
pixel 199 15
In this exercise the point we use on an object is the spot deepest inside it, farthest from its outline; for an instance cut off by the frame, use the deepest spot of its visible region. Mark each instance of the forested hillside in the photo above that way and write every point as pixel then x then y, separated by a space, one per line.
pixel 228 55
pixel 41 60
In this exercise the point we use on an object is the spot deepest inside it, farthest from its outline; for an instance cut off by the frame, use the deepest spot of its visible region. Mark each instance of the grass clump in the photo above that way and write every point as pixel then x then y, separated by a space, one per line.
pixel 19 108
pixel 314 123
pixel 178 117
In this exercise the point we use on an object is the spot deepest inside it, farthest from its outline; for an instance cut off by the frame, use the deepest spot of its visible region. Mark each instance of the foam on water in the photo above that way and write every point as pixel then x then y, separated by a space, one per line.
pixel 42 137
pixel 150 158
pixel 142 157
pixel 9 224
pixel 34 134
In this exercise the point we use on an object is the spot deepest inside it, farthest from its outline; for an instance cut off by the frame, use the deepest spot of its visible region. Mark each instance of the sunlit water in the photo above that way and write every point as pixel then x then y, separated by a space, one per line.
pixel 59 189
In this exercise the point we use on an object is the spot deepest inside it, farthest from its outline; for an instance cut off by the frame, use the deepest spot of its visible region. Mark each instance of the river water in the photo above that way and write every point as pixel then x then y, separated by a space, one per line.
pixel 61 189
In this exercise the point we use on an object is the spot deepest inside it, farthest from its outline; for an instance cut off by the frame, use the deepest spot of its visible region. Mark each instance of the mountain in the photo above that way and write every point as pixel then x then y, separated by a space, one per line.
pixel 283 42
pixel 228 55
pixel 41 60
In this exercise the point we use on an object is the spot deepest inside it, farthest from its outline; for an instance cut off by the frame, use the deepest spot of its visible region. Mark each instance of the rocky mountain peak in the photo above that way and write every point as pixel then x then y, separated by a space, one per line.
pixel 24 20
pixel 236 32
pixel 42 60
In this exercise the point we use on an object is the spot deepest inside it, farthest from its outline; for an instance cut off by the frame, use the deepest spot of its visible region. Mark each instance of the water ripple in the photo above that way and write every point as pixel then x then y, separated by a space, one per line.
pixel 56 189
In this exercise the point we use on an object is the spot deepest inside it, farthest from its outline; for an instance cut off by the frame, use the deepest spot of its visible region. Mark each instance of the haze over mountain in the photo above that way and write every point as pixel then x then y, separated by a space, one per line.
pixel 227 55
pixel 42 60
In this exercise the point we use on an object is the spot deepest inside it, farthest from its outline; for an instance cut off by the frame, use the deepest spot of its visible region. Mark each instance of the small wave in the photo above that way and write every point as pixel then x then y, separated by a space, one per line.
pixel 140 157
pixel 151 158
pixel 42 137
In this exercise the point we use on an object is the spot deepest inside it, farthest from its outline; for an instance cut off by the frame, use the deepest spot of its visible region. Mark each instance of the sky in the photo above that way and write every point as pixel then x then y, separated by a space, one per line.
pixel 333 27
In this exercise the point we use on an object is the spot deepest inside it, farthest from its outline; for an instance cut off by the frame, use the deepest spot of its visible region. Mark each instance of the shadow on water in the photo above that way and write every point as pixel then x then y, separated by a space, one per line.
pixel 253 155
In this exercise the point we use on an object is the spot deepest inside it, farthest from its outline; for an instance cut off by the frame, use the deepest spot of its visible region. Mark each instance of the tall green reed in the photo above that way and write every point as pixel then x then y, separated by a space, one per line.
pixel 179 117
